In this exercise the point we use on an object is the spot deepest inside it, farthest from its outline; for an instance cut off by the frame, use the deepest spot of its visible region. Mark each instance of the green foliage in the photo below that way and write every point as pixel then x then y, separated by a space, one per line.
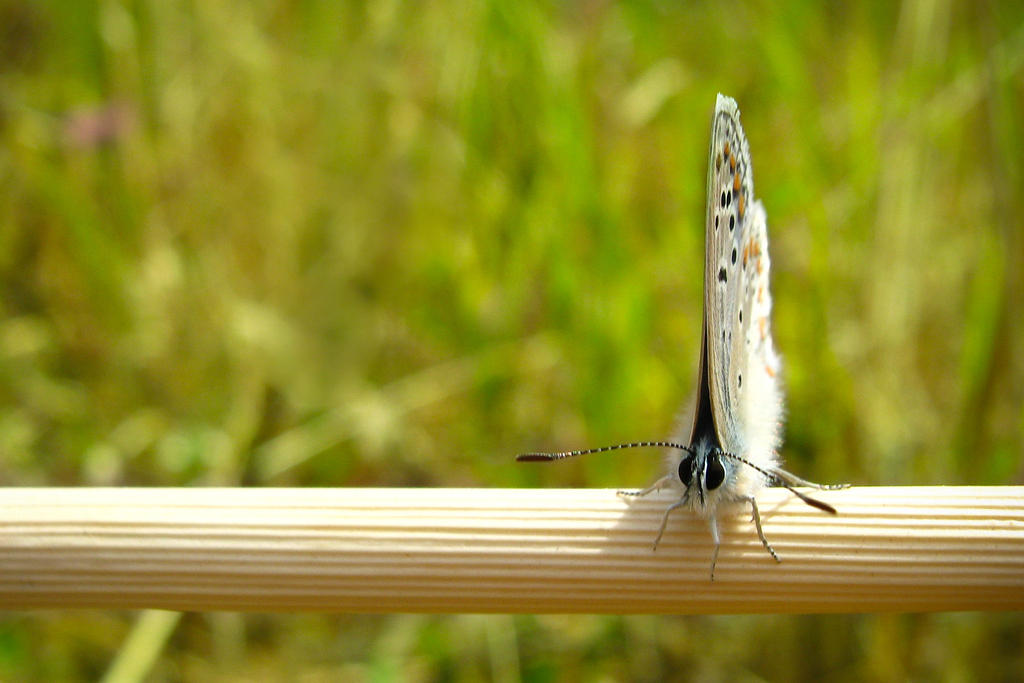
pixel 342 244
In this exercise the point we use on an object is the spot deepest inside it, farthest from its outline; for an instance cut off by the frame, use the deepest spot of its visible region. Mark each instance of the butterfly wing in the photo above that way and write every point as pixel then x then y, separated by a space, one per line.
pixel 754 382
pixel 743 367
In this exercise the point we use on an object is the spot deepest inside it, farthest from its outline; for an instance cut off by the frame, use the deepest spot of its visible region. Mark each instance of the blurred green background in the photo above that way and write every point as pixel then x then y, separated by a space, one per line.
pixel 345 244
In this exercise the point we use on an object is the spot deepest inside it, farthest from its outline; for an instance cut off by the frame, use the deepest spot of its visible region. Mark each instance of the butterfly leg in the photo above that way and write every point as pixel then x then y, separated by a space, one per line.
pixel 793 480
pixel 664 522
pixel 640 493
pixel 756 518
pixel 713 524
pixel 788 480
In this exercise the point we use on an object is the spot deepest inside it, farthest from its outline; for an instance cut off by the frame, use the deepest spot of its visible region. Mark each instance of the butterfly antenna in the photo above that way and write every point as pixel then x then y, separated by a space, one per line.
pixel 548 457
pixel 813 502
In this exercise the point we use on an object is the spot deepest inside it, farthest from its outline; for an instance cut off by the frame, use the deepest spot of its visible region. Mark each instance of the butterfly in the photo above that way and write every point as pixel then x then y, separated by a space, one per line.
pixel 732 449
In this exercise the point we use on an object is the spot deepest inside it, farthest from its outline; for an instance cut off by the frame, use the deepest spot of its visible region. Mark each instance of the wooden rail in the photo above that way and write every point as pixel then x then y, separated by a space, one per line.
pixel 505 550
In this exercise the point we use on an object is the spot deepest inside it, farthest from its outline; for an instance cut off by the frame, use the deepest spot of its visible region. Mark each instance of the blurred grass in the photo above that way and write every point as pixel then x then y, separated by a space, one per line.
pixel 345 244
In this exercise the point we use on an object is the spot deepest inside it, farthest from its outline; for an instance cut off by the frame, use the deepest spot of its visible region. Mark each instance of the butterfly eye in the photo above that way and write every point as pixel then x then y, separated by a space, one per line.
pixel 714 475
pixel 686 470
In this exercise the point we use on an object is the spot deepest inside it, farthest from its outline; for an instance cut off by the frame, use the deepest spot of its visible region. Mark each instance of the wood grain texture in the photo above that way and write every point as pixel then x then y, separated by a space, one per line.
pixel 505 550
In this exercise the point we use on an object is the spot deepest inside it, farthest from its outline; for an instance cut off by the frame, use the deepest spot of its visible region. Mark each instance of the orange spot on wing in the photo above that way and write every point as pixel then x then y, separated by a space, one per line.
pixel 726 148
pixel 740 207
pixel 736 182
pixel 768 369
pixel 732 163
